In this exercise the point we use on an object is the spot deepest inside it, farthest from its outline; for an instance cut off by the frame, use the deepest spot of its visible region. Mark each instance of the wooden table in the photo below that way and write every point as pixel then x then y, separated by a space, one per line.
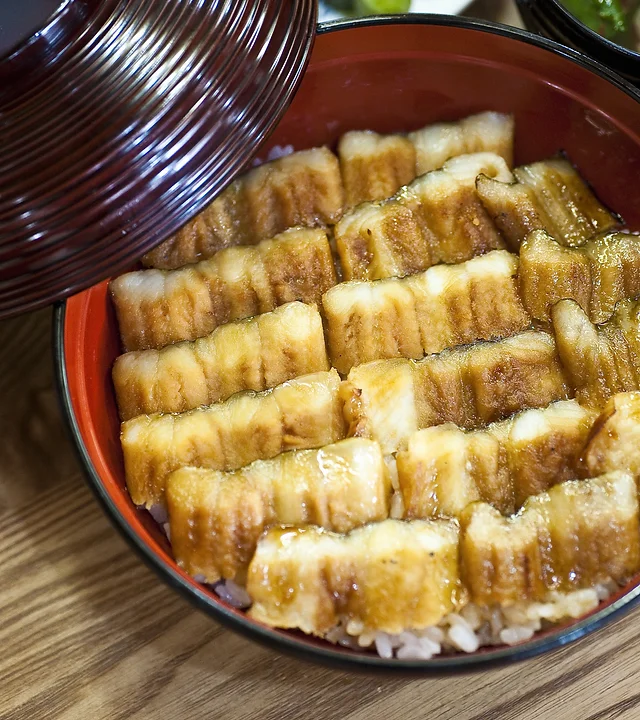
pixel 87 631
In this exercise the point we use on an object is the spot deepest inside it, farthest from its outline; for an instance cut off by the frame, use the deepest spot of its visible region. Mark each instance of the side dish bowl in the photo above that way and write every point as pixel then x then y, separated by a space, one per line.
pixel 553 20
pixel 391 74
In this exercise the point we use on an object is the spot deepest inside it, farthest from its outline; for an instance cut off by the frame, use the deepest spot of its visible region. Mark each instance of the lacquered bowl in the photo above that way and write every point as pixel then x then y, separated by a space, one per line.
pixel 387 75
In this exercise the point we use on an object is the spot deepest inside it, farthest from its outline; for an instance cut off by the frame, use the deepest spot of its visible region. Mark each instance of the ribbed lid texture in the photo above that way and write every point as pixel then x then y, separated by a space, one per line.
pixel 121 119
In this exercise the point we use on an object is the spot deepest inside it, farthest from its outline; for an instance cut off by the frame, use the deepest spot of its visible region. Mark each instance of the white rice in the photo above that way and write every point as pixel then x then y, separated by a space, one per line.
pixel 473 627
pixel 397 506
pixel 159 514
pixel 477 626
pixel 232 593
pixel 397 501
pixel 276 152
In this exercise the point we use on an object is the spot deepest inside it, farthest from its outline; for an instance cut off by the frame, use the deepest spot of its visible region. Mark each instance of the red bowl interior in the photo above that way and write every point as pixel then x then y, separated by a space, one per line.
pixel 396 77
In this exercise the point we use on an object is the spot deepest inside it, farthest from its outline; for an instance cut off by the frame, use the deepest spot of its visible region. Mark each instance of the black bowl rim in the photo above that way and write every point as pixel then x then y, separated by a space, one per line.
pixel 625 52
pixel 291 645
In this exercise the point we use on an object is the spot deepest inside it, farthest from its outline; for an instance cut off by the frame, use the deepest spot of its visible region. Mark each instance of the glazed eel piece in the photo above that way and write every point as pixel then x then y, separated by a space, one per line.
pixel 444 306
pixel 445 468
pixel 549 195
pixel 303 189
pixel 596 275
pixel 159 307
pixel 576 535
pixel 376 166
pixel 302 413
pixel 252 354
pixel 599 360
pixel 398 575
pixel 614 441
pixel 472 386
pixel 386 576
pixel 216 518
pixel 437 218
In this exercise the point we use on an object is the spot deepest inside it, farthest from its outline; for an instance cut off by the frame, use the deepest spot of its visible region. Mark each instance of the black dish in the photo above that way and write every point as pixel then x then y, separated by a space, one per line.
pixel 552 20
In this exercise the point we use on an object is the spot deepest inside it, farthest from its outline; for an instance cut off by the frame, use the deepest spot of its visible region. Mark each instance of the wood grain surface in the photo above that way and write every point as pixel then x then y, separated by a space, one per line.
pixel 87 631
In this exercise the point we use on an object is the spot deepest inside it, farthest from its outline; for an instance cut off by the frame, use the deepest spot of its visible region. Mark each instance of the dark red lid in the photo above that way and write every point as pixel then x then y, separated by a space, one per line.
pixel 121 119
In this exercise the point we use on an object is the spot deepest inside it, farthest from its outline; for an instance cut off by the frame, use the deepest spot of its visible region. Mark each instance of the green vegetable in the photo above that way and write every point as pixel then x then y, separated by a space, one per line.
pixel 606 17
pixel 382 7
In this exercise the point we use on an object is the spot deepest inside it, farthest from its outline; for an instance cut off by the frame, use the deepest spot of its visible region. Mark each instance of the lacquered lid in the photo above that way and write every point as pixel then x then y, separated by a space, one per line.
pixel 121 119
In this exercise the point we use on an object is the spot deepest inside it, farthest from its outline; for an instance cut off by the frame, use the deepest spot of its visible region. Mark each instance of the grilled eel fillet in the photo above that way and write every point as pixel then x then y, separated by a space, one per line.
pixel 302 413
pixel 252 354
pixel 375 166
pixel 485 132
pixel 395 575
pixel 437 218
pixel 596 275
pixel 304 189
pixel 599 360
pixel 444 306
pixel 614 441
pixel 444 468
pixel 386 576
pixel 389 400
pixel 216 518
pixel 576 535
pixel 548 195
pixel 156 307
